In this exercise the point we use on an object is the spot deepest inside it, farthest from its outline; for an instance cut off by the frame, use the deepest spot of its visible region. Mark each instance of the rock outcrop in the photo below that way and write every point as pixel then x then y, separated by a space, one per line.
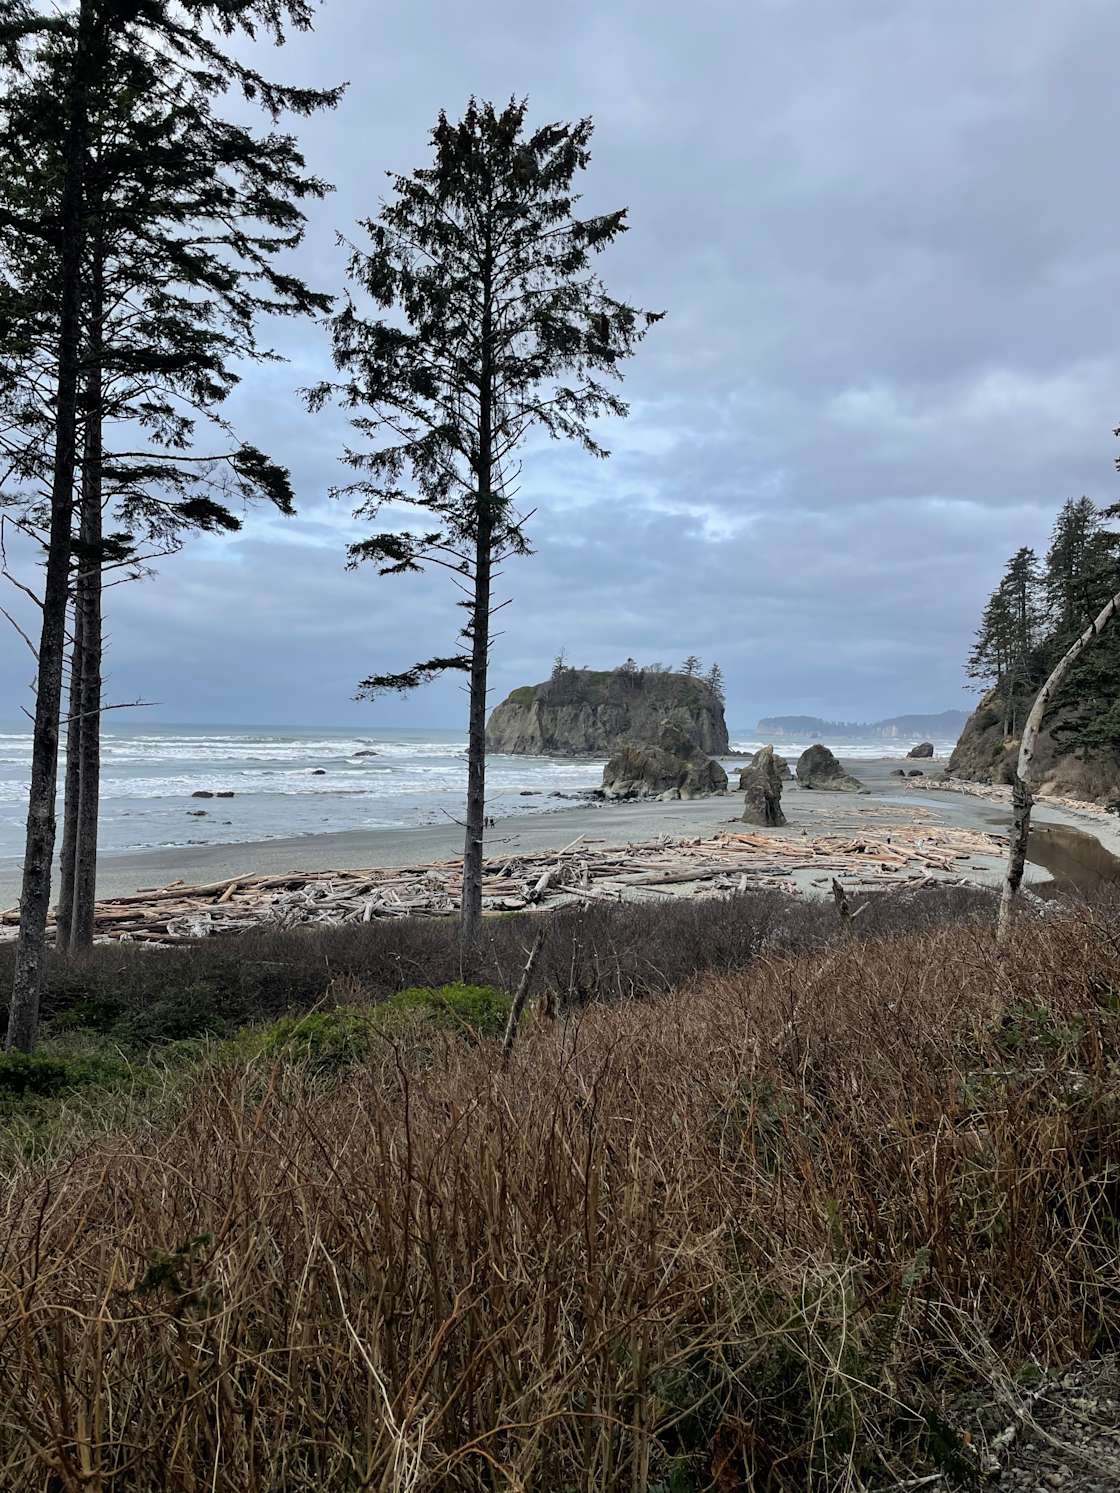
pixel 923 749
pixel 588 713
pixel 818 768
pixel 784 770
pixel 762 782
pixel 671 767
pixel 984 754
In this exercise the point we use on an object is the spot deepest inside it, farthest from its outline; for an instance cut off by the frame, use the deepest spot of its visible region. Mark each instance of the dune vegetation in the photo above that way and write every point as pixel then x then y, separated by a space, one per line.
pixel 799 1210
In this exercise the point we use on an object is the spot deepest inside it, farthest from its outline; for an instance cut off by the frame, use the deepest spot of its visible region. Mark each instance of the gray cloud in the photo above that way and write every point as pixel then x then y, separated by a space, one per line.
pixel 884 233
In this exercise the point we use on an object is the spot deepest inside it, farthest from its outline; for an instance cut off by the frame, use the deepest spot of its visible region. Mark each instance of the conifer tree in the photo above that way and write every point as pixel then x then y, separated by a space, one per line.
pixel 988 661
pixel 1073 568
pixel 1006 653
pixel 691 666
pixel 715 682
pixel 495 325
pixel 180 214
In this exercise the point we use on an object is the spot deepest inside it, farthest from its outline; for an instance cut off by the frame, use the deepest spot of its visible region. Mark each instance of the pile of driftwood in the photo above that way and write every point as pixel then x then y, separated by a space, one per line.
pixel 1001 794
pixel 584 871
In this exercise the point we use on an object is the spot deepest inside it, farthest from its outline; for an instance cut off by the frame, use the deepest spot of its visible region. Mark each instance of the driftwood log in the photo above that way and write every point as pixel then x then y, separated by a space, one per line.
pixel 584 871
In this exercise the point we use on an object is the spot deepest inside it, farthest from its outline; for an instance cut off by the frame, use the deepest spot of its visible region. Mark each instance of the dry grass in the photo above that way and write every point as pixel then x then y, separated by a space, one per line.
pixel 753 1234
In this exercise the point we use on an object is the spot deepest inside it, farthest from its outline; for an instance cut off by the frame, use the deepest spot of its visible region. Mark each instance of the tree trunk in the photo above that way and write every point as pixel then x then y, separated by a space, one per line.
pixel 471 912
pixel 1022 795
pixel 64 913
pixel 470 924
pixel 88 606
pixel 23 1016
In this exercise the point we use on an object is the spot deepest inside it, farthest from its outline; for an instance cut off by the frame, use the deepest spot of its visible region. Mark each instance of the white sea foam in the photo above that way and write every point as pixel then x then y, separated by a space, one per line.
pixel 289 782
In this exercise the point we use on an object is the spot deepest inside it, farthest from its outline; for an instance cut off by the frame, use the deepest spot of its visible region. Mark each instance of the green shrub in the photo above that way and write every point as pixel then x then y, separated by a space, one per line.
pixel 325 1041
pixel 328 1041
pixel 26 1079
pixel 474 1010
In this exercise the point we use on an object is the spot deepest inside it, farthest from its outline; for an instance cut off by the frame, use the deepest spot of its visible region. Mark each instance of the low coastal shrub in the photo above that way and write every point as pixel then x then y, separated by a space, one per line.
pixel 138 997
pixel 324 1041
pixel 47 1075
pixel 472 1011
pixel 328 1041
pixel 771 1230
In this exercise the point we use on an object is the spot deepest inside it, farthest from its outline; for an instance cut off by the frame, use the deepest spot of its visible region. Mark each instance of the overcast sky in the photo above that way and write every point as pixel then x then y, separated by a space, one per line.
pixel 884 233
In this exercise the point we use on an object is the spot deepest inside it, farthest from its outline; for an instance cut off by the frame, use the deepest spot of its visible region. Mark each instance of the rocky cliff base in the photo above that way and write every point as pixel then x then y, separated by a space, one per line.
pixel 672 768
pixel 984 754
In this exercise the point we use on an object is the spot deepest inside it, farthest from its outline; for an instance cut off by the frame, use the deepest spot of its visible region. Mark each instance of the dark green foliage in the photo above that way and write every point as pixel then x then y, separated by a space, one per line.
pixel 328 1041
pixel 489 221
pixel 189 212
pixel 1035 614
pixel 496 325
pixel 27 1077
pixel 474 1010
pixel 1007 651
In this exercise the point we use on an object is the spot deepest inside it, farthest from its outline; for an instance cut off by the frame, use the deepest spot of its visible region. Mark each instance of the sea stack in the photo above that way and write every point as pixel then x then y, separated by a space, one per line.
pixel 762 783
pixel 818 768
pixel 590 713
pixel 673 767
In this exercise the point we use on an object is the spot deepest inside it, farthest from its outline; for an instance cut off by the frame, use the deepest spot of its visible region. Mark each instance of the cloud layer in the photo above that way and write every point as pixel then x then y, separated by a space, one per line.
pixel 884 233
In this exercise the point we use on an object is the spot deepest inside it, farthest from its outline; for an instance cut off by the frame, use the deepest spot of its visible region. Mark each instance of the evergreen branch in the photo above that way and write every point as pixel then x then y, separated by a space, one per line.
pixel 378 684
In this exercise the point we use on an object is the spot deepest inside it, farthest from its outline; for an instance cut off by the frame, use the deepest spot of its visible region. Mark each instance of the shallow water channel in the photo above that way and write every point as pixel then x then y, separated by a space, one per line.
pixel 1073 858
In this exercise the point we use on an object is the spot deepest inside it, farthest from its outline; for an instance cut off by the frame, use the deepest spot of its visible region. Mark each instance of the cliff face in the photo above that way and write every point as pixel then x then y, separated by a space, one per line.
pixel 587 713
pixel 983 755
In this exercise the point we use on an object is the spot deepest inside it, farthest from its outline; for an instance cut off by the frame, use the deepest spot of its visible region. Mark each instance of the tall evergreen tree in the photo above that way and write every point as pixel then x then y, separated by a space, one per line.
pixel 496 325
pixel 1073 568
pixel 715 682
pixel 188 213
pixel 988 661
pixel 1006 653
pixel 1083 572
pixel 691 666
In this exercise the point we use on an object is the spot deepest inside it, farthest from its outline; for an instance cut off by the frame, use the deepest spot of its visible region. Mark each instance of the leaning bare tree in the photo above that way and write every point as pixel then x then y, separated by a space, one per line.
pixel 496 325
pixel 1022 796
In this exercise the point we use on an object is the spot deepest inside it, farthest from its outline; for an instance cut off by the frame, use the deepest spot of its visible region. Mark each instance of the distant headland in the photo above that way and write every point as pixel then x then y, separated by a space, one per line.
pixel 945 725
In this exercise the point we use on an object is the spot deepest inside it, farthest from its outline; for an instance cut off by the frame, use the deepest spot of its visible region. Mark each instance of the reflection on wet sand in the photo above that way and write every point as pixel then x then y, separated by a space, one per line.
pixel 1072 857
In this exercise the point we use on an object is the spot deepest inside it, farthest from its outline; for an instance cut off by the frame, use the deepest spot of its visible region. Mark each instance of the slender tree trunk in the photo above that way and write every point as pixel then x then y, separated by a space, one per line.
pixel 471 915
pixel 64 912
pixel 471 912
pixel 1022 795
pixel 88 607
pixel 23 1015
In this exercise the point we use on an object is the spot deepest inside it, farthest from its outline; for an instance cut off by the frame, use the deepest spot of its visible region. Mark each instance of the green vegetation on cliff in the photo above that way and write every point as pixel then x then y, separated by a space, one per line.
pixel 1031 618
pixel 589 712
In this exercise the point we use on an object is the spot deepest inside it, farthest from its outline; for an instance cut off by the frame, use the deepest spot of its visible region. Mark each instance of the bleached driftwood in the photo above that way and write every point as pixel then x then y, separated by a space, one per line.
pixel 583 872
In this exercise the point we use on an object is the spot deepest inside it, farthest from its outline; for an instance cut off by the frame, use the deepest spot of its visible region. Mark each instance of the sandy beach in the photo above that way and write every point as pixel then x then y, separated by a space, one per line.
pixel 808 813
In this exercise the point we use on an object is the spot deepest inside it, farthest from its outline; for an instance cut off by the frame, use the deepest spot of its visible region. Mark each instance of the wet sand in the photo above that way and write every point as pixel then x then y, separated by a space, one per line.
pixel 808 813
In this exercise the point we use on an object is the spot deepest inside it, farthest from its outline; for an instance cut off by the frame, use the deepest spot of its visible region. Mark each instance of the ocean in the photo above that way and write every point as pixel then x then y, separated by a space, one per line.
pixel 289 782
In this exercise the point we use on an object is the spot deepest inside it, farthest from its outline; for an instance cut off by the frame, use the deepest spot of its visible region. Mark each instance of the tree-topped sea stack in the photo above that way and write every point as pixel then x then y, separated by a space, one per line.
pixel 590 712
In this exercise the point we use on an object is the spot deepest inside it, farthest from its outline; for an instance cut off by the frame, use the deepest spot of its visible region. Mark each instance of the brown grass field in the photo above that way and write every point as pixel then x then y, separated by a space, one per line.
pixel 771 1229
